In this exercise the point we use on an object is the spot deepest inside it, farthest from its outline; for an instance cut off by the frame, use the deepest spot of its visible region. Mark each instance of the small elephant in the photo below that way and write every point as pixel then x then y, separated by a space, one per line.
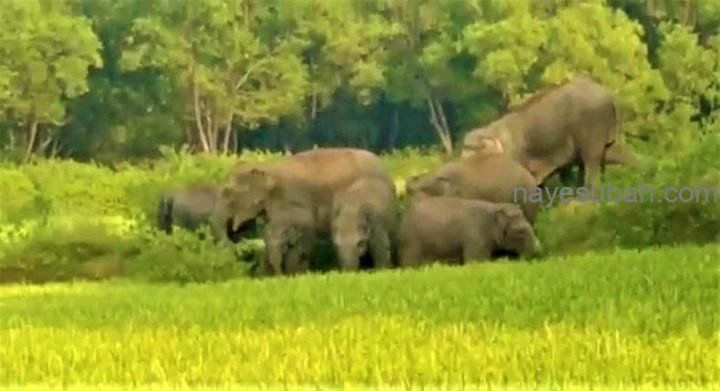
pixel 288 241
pixel 363 223
pixel 191 207
pixel 489 177
pixel 462 230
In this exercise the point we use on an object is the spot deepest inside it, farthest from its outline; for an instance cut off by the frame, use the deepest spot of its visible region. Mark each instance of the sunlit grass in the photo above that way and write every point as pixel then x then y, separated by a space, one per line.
pixel 366 349
pixel 647 317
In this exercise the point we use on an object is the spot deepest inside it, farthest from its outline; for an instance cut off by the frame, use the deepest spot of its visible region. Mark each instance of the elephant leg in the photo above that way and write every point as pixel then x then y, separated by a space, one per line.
pixel 476 251
pixel 293 262
pixel 268 269
pixel 271 267
pixel 593 161
pixel 409 255
pixel 304 263
pixel 380 248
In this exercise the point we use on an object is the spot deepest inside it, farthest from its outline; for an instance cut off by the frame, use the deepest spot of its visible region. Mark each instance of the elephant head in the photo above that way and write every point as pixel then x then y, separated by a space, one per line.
pixel 476 142
pixel 351 231
pixel 430 184
pixel 244 198
pixel 515 233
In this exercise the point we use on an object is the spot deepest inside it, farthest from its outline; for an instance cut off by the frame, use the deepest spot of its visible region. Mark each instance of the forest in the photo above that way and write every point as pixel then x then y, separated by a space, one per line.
pixel 113 80
pixel 107 106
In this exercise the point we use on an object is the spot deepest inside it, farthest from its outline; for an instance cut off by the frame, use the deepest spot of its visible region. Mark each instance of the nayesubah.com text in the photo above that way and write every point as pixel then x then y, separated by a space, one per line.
pixel 607 192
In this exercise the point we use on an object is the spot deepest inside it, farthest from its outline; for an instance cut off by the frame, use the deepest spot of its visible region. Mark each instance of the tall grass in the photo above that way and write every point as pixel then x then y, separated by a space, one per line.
pixel 622 317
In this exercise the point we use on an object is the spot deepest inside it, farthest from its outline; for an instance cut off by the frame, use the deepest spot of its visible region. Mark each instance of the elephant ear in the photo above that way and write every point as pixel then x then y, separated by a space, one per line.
pixel 511 219
pixel 489 145
pixel 445 187
pixel 504 215
pixel 262 178
pixel 411 183
pixel 368 217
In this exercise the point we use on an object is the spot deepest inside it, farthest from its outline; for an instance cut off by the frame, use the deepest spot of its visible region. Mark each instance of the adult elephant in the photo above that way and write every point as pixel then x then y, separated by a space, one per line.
pixel 575 123
pixel 191 207
pixel 491 177
pixel 309 179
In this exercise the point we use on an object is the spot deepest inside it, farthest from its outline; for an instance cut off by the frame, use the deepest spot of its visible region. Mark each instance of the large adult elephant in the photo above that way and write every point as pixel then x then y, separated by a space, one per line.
pixel 191 207
pixel 309 179
pixel 491 177
pixel 575 123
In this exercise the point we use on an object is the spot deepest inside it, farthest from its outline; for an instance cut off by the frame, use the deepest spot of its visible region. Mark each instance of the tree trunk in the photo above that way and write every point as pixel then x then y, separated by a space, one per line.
pixel 688 14
pixel 228 132
pixel 32 137
pixel 47 140
pixel 198 115
pixel 235 142
pixel 438 121
pixel 211 134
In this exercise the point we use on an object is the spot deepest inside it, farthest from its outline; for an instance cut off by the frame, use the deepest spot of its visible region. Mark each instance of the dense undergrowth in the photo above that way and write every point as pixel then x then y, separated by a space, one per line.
pixel 60 218
pixel 567 321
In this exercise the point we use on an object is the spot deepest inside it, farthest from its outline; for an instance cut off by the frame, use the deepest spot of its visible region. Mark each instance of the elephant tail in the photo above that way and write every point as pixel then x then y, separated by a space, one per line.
pixel 164 214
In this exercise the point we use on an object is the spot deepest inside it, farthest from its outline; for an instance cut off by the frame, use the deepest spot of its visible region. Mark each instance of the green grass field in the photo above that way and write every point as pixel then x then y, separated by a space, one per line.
pixel 649 317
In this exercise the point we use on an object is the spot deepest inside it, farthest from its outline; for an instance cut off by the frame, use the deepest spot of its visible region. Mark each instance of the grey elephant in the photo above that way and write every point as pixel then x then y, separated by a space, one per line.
pixel 310 179
pixel 490 177
pixel 575 123
pixel 288 238
pixel 191 207
pixel 459 230
pixel 364 220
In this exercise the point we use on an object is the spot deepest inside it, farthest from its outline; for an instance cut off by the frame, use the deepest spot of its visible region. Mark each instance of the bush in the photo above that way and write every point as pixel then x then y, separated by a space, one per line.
pixel 649 222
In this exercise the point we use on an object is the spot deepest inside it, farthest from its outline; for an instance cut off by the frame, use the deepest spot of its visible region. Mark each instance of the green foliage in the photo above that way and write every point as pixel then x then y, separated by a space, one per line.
pixel 623 318
pixel 110 80
pixel 655 217
pixel 184 258
pixel 46 54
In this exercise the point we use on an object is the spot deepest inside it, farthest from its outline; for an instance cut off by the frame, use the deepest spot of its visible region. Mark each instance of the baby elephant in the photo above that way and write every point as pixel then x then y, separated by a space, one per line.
pixel 288 238
pixel 462 230
pixel 363 223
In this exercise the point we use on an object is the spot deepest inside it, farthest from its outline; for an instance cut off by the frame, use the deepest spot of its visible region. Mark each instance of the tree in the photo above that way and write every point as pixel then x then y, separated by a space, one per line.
pixel 46 53
pixel 225 72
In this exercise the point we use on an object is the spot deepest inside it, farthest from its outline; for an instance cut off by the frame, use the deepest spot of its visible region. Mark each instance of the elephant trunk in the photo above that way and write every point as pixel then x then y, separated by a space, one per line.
pixel 349 256
pixel 274 259
pixel 533 248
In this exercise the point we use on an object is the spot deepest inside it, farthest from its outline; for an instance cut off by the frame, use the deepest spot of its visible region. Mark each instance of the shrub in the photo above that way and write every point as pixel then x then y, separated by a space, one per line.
pixel 649 222
pixel 183 257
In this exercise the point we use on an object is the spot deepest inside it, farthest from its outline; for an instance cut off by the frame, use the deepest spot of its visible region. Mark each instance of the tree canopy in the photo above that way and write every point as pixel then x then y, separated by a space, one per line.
pixel 116 79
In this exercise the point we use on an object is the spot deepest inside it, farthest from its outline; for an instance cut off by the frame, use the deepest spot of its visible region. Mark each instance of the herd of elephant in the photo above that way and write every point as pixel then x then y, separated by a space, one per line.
pixel 464 211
